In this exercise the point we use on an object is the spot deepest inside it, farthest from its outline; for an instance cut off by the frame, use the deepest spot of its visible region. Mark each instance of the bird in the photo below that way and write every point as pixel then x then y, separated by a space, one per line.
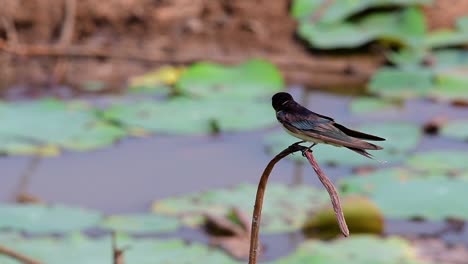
pixel 311 127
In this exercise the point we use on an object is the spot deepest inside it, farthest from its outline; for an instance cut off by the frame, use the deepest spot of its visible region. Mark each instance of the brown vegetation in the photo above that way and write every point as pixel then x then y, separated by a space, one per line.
pixel 48 42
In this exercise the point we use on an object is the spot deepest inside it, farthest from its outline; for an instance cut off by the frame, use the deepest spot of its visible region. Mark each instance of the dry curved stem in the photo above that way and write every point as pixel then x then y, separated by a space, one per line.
pixel 335 199
pixel 18 256
pixel 256 217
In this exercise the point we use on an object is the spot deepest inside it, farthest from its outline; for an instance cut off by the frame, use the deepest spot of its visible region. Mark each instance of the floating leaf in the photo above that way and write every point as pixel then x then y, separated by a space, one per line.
pixel 370 105
pixel 157 80
pixel 447 59
pixel 354 250
pixel 448 37
pixel 41 127
pixel 340 10
pixel 440 161
pixel 406 194
pixel 451 85
pixel 409 58
pixel 407 135
pixel 78 249
pixel 362 216
pixel 284 209
pixel 250 80
pixel 445 38
pixel 401 84
pixel 141 223
pixel 406 28
pixel 46 219
pixel 456 129
pixel 187 116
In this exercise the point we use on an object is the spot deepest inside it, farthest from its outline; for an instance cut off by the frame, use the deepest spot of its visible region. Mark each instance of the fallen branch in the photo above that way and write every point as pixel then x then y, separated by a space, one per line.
pixel 256 217
pixel 18 256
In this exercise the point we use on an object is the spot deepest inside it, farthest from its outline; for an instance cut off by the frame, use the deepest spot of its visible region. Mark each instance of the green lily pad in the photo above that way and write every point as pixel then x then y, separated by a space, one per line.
pixel 444 38
pixel 403 194
pixel 446 59
pixel 354 250
pixel 371 105
pixel 407 58
pixel 397 83
pixel 456 129
pixel 285 208
pixel 78 249
pixel 340 10
pixel 158 81
pixel 440 161
pixel 448 37
pixel 407 135
pixel 46 219
pixel 406 28
pixel 141 223
pixel 451 85
pixel 362 216
pixel 29 126
pixel 250 80
pixel 187 116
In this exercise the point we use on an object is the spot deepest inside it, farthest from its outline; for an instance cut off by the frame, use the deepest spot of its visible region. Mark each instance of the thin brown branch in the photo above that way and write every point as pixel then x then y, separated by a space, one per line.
pixel 256 217
pixel 18 256
pixel 335 199
pixel 257 213
pixel 68 26
pixel 21 194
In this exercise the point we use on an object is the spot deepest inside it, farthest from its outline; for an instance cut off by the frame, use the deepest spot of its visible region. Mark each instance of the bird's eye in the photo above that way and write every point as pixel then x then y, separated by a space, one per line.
pixel 285 102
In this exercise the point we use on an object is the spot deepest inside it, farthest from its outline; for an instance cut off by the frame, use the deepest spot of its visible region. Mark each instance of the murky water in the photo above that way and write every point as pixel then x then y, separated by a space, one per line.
pixel 130 175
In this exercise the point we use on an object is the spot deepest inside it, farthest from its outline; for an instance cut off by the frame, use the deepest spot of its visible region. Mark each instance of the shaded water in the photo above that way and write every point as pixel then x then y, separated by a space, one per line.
pixel 130 175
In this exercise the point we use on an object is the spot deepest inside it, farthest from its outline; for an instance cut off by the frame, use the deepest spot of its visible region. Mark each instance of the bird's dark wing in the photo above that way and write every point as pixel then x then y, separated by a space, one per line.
pixel 320 128
pixel 357 134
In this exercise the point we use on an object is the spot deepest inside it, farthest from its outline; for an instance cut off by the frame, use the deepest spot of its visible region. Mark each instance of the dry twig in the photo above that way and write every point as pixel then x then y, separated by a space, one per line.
pixel 18 256
pixel 256 217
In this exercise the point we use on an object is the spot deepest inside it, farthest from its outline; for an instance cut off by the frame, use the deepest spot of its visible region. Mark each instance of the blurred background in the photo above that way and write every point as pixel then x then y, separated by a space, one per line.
pixel 152 120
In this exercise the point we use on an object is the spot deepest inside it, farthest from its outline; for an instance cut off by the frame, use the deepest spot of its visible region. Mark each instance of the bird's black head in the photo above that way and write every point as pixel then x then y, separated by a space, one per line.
pixel 279 100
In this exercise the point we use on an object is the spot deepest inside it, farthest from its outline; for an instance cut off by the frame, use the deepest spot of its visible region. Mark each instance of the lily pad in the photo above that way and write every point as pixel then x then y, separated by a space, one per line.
pixel 78 249
pixel 187 116
pixel 401 194
pixel 157 81
pixel 250 80
pixel 406 28
pixel 141 223
pixel 451 85
pixel 398 83
pixel 457 129
pixel 407 135
pixel 28 127
pixel 340 10
pixel 46 219
pixel 448 37
pixel 440 161
pixel 371 105
pixel 362 216
pixel 447 59
pixel 285 208
pixel 354 250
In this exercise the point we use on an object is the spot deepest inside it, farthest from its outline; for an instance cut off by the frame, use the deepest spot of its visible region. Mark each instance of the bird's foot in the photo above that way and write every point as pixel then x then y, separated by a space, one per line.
pixel 307 149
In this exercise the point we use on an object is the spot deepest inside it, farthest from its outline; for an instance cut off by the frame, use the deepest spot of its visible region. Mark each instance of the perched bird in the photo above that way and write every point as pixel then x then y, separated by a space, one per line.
pixel 308 126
